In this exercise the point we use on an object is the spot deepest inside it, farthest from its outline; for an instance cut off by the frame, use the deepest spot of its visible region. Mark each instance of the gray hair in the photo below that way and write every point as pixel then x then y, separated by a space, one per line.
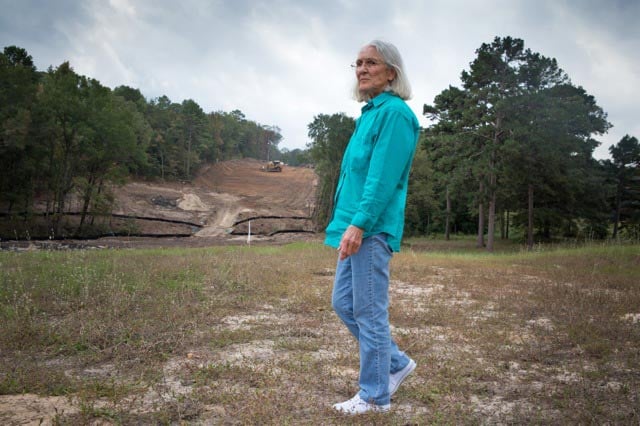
pixel 391 56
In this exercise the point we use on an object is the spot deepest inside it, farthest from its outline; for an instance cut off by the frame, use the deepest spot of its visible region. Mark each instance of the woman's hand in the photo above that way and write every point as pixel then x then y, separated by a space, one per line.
pixel 350 242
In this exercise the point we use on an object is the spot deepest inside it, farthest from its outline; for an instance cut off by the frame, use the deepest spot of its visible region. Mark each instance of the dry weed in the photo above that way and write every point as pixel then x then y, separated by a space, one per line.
pixel 240 335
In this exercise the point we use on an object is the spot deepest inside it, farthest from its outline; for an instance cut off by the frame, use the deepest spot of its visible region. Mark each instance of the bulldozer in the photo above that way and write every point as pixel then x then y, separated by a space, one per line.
pixel 273 166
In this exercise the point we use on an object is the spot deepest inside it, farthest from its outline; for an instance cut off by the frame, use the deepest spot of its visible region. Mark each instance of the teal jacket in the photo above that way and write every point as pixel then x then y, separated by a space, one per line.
pixel 372 190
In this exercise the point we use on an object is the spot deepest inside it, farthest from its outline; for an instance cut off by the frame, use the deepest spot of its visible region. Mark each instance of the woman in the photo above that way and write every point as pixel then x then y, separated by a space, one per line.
pixel 368 221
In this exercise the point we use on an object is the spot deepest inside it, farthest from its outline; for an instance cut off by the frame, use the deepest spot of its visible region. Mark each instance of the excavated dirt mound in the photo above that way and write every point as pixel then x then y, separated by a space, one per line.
pixel 224 203
pixel 274 201
pixel 224 200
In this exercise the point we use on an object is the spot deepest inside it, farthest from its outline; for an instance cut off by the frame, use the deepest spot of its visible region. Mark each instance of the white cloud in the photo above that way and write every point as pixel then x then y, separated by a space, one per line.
pixel 123 6
pixel 284 61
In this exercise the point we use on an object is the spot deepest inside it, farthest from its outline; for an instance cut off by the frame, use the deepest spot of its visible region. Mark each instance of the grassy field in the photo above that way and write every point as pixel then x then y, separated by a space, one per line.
pixel 245 335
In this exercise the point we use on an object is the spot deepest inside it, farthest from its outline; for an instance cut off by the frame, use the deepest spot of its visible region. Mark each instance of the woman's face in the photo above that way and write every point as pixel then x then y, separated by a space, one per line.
pixel 372 72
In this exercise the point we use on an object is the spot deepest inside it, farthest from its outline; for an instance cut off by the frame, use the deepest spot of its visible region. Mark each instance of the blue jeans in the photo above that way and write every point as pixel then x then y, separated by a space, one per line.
pixel 361 300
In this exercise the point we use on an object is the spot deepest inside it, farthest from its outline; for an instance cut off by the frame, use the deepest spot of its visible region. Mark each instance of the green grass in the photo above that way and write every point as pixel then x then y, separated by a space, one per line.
pixel 244 334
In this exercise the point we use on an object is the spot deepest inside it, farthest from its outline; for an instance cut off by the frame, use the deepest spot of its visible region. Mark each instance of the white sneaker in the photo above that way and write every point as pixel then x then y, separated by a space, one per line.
pixel 357 405
pixel 396 379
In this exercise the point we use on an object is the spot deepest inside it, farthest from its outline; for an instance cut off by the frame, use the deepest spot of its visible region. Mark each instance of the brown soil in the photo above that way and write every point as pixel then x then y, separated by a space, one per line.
pixel 206 211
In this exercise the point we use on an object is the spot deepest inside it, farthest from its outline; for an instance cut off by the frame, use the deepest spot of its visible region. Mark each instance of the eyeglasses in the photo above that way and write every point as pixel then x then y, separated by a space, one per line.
pixel 366 63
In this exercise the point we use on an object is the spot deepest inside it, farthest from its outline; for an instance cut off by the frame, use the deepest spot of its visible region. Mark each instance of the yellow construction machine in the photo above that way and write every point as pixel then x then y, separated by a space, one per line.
pixel 273 166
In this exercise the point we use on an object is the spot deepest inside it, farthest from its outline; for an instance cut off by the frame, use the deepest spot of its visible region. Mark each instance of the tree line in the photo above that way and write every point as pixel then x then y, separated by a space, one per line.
pixel 508 154
pixel 511 149
pixel 63 133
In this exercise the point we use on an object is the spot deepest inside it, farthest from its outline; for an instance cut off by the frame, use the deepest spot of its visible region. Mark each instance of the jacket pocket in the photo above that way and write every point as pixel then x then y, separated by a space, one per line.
pixel 361 154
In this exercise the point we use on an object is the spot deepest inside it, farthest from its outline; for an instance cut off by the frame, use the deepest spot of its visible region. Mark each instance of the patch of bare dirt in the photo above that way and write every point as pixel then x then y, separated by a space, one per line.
pixel 29 409
pixel 223 204
pixel 225 193
pixel 482 359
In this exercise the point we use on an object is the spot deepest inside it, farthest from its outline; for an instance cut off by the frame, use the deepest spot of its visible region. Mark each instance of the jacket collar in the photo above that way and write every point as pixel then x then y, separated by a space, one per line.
pixel 377 101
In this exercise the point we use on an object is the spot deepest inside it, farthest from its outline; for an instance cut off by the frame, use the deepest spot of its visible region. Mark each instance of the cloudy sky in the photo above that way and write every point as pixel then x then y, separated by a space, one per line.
pixel 281 62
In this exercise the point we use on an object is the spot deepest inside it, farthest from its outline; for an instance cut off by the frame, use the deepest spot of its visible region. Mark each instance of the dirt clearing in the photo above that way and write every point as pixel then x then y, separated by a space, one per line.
pixel 217 207
pixel 225 193
pixel 240 335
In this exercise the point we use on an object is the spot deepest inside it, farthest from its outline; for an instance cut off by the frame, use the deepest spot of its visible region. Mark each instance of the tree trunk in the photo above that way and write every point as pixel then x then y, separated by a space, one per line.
pixel 66 185
pixel 480 242
pixel 447 226
pixel 530 218
pixel 506 234
pixel 546 230
pixel 492 221
pixel 616 219
pixel 492 211
pixel 88 195
pixel 98 193
pixel 65 178
pixel 492 185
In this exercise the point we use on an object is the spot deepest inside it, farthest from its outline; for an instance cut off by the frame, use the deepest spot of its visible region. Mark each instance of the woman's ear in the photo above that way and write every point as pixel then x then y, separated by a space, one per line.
pixel 392 74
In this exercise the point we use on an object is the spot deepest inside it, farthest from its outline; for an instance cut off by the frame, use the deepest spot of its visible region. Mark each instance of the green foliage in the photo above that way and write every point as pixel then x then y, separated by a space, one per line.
pixel 233 136
pixel 625 172
pixel 421 199
pixel 63 134
pixel 330 135
pixel 550 151
pixel 517 132
pixel 295 157
pixel 17 94
pixel 61 116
